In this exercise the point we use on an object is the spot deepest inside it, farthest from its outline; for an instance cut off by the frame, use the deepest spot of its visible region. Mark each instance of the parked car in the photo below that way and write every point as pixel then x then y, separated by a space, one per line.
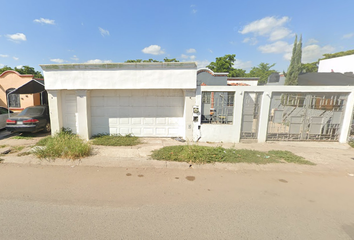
pixel 4 115
pixel 31 119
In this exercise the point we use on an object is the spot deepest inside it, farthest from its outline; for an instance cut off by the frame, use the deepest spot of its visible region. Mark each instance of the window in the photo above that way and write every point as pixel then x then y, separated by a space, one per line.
pixel 13 99
pixel 217 107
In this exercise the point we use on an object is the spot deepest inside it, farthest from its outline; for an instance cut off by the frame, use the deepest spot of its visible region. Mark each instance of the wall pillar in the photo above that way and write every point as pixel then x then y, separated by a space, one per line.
pixel 83 114
pixel 264 117
pixel 237 121
pixel 347 119
pixel 189 102
pixel 55 110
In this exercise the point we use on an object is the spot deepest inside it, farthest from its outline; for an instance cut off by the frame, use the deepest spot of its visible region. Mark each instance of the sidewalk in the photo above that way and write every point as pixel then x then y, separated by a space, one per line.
pixel 328 156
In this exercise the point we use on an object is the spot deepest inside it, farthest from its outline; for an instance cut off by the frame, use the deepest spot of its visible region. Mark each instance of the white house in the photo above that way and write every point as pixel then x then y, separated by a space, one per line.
pixel 339 64
pixel 144 99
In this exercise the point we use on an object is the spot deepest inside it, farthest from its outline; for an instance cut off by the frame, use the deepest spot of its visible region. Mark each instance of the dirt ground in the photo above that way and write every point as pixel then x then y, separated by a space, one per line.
pixel 328 156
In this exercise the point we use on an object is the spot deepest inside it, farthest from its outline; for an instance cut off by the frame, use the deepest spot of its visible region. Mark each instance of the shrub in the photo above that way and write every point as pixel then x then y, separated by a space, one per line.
pixel 106 139
pixel 64 144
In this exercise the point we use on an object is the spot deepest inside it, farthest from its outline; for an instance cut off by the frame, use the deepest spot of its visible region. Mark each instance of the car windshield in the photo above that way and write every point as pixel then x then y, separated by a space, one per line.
pixel 32 112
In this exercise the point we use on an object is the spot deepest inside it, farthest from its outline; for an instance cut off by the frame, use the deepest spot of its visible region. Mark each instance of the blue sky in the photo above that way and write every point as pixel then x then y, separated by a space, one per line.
pixel 47 32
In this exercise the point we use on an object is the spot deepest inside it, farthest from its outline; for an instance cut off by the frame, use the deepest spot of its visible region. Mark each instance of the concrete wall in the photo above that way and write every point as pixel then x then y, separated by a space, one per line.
pixel 82 79
pixel 120 76
pixel 339 64
pixel 231 133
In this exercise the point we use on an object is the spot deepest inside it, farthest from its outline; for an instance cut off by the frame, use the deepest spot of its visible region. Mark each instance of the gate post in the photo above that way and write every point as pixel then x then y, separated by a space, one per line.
pixel 347 119
pixel 264 116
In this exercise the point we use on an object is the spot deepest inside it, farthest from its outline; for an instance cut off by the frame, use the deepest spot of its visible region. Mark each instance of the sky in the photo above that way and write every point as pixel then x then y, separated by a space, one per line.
pixel 64 32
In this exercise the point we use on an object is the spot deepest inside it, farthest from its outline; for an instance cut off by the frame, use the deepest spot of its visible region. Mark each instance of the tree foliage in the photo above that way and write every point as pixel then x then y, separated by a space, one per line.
pixel 23 70
pixel 337 54
pixel 152 60
pixel 295 64
pixel 263 71
pixel 309 67
pixel 225 64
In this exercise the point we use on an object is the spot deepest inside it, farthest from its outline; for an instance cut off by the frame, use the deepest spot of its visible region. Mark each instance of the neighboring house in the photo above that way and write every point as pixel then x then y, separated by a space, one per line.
pixel 339 64
pixel 143 99
pixel 9 81
pixel 242 81
pixel 276 79
pixel 326 79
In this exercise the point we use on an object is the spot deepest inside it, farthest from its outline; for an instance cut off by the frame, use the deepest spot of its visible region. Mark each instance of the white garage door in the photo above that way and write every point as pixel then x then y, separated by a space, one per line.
pixel 139 112
pixel 69 110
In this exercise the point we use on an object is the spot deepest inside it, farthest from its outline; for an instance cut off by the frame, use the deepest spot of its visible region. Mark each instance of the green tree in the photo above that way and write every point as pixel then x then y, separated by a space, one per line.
pixel 225 64
pixel 295 64
pixel 23 70
pixel 5 68
pixel 170 60
pixel 263 71
pixel 309 67
pixel 29 70
pixel 337 54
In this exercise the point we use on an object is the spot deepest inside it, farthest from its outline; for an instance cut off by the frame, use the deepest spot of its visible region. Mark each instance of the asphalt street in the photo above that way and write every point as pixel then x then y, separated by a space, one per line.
pixel 63 202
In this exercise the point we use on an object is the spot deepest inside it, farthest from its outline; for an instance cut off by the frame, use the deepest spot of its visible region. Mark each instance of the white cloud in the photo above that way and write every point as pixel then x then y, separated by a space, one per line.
pixel 192 57
pixel 314 52
pixel 279 33
pixel 103 32
pixel 184 56
pixel 15 58
pixel 211 51
pixel 19 66
pixel 271 27
pixel 311 41
pixel 75 58
pixel 17 37
pixel 57 60
pixel 251 41
pixel 4 55
pixel 153 49
pixel 99 61
pixel 194 11
pixel 243 65
pixel 347 36
pixel 191 50
pixel 276 47
pixel 1 65
pixel 44 21
pixel 202 64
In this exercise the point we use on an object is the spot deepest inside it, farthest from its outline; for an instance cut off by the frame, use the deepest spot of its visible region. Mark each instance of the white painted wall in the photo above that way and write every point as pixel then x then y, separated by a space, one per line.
pixel 231 133
pixel 120 76
pixel 339 64
pixel 71 102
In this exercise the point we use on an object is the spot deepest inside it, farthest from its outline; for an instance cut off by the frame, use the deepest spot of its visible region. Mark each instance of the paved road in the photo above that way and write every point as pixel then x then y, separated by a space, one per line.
pixel 56 202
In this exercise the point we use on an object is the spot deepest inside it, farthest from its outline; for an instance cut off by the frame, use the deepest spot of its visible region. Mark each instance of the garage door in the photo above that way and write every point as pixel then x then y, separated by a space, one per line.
pixel 69 110
pixel 147 113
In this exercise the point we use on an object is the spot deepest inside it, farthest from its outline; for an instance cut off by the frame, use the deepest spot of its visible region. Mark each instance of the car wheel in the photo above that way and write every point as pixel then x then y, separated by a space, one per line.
pixel 47 127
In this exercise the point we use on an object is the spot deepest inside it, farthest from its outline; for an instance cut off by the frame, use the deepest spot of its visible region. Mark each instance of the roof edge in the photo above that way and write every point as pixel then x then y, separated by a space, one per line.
pixel 17 73
pixel 119 66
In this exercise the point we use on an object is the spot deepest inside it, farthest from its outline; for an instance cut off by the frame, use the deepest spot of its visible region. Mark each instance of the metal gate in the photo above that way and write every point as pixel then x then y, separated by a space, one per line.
pixel 306 116
pixel 250 115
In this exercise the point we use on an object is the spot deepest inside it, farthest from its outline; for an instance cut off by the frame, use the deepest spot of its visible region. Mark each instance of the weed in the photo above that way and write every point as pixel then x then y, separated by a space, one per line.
pixel 106 139
pixel 24 136
pixel 2 146
pixel 2 160
pixel 64 144
pixel 203 154
pixel 23 154
pixel 351 143
pixel 15 149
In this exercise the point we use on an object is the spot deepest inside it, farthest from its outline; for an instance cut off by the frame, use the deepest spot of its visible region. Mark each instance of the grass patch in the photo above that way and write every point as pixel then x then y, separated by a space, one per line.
pixel 63 145
pixel 24 136
pixel 351 143
pixel 2 146
pixel 202 154
pixel 23 154
pixel 15 149
pixel 115 140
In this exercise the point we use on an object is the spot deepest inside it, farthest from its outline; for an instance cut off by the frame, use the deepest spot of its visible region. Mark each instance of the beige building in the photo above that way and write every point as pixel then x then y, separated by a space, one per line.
pixel 10 80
